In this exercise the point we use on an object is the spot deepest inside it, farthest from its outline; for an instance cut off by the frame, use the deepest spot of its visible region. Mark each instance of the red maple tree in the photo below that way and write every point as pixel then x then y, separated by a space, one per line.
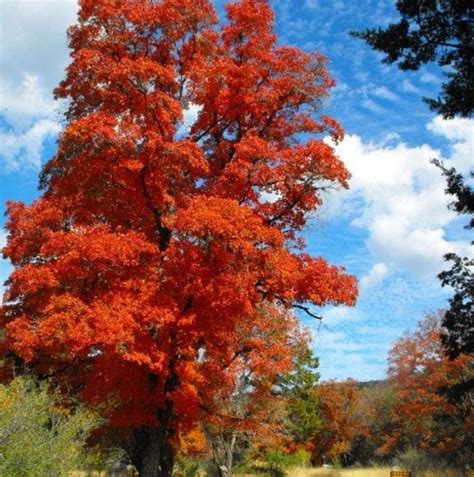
pixel 153 247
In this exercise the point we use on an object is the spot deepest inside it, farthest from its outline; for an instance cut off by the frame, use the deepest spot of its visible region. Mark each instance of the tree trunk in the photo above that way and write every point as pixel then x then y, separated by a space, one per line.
pixel 223 446
pixel 153 456
pixel 224 471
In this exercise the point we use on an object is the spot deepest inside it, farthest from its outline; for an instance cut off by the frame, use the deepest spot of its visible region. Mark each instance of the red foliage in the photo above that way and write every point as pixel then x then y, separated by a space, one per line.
pixel 339 406
pixel 152 250
pixel 422 415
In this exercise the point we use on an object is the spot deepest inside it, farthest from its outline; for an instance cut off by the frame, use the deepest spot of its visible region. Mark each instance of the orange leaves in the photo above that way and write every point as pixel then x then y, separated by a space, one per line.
pixel 193 443
pixel 67 259
pixel 250 28
pixel 226 222
pixel 322 284
pixel 419 371
pixel 338 404
pixel 29 227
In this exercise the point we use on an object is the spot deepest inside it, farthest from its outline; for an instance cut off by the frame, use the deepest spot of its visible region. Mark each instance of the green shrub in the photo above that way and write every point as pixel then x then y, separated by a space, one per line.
pixel 418 461
pixel 37 436
pixel 186 468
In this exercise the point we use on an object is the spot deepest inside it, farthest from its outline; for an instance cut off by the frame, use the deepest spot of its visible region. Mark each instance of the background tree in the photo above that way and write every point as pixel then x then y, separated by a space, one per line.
pixel 375 415
pixel 428 31
pixel 153 249
pixel 245 411
pixel 297 388
pixel 341 423
pixel 459 318
pixel 422 416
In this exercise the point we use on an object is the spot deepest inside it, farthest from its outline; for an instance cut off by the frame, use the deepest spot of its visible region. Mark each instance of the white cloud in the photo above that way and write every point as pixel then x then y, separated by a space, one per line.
pixel 402 197
pixel 384 93
pixel 460 132
pixel 29 116
pixel 373 106
pixel 409 87
pixel 346 355
pixel 25 101
pixel 337 315
pixel 33 38
pixel 32 60
pixel 24 149
pixel 429 78
pixel 376 274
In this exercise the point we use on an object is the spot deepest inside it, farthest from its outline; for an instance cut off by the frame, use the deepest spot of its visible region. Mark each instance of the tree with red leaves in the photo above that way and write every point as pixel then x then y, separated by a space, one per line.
pixel 342 426
pixel 422 415
pixel 154 249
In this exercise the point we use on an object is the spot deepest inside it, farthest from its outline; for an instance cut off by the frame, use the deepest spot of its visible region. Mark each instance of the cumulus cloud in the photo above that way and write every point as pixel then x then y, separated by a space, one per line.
pixel 402 197
pixel 30 70
pixel 24 149
pixel 33 37
pixel 29 117
pixel 460 133
pixel 25 101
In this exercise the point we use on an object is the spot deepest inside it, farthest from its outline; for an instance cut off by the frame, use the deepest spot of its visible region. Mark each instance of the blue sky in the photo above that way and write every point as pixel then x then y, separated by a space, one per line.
pixel 390 229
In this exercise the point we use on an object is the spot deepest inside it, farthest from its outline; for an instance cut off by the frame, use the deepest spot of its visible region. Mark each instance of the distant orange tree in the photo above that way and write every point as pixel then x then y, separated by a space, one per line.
pixel 422 415
pixel 342 425
pixel 154 248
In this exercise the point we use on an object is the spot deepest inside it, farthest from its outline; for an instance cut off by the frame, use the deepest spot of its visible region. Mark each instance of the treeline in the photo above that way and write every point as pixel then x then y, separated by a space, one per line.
pixel 420 414
pixel 420 417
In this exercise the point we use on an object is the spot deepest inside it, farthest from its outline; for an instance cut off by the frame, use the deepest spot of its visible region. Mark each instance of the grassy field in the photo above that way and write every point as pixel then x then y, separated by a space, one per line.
pixel 369 472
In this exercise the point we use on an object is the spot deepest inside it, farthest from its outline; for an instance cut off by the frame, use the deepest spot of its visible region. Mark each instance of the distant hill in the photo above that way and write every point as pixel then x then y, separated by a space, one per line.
pixel 373 383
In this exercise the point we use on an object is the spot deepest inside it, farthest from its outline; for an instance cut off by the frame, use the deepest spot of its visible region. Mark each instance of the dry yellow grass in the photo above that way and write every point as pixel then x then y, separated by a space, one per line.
pixel 369 472
pixel 78 473
pixel 308 472
pixel 374 472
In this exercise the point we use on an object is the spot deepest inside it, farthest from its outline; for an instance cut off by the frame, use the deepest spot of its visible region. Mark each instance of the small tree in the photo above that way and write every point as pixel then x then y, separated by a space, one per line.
pixel 246 411
pixel 302 407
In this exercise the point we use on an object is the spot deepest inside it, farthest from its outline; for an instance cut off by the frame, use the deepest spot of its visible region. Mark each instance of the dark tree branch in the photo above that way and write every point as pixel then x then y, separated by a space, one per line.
pixel 307 310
